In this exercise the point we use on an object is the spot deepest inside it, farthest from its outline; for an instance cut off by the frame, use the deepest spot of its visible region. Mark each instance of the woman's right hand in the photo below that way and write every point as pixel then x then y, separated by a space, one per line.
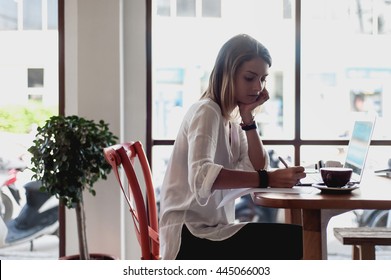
pixel 286 178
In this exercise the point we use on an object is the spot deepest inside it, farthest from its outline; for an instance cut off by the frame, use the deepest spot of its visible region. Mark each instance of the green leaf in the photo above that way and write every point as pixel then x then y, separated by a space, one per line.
pixel 67 156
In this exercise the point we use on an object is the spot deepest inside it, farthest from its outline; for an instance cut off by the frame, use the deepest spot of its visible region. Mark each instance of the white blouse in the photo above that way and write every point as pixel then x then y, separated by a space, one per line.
pixel 202 148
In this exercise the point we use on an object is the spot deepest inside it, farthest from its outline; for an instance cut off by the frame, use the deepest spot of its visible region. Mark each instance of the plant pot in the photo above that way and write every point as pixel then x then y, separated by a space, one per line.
pixel 93 256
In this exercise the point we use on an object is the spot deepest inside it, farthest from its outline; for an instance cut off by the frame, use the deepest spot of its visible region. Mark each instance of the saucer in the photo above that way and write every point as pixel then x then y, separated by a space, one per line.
pixel 330 190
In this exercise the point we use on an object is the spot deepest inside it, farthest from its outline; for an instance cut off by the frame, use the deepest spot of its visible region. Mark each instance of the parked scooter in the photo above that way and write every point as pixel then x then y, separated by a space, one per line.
pixel 10 196
pixel 373 218
pixel 39 216
pixel 247 211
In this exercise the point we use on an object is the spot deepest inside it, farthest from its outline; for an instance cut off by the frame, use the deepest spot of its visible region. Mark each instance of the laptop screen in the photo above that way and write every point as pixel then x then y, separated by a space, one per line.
pixel 358 147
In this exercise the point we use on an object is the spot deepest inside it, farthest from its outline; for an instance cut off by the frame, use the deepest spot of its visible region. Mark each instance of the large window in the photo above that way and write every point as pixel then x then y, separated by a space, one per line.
pixel 331 64
pixel 29 93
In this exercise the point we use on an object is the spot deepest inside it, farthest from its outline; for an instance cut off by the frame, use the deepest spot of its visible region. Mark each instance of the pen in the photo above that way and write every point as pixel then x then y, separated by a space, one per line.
pixel 283 162
pixel 286 166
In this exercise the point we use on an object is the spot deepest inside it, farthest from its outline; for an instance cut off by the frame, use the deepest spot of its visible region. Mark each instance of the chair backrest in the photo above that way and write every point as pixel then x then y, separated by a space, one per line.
pixel 144 211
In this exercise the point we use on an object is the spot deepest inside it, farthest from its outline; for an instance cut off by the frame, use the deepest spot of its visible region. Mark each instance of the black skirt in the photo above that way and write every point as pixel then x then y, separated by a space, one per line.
pixel 255 241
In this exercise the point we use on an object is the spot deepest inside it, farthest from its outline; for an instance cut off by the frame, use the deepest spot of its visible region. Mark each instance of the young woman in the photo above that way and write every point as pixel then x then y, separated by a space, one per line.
pixel 218 149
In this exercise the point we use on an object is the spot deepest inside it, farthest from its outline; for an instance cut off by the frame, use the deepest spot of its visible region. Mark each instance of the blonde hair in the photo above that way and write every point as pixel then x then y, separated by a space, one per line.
pixel 237 50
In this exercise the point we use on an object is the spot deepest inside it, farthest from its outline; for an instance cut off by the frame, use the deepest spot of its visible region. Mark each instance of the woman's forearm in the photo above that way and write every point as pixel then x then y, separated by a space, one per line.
pixel 232 179
pixel 256 151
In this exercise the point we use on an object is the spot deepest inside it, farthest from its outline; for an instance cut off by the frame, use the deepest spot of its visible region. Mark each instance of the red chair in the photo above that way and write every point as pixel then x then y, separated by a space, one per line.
pixel 144 211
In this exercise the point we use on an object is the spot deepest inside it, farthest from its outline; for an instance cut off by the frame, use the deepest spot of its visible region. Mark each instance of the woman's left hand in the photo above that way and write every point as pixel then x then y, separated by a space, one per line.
pixel 246 109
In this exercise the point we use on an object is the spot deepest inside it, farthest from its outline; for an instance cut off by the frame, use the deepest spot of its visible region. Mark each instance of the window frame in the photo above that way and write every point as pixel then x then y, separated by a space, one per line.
pixel 296 142
pixel 61 112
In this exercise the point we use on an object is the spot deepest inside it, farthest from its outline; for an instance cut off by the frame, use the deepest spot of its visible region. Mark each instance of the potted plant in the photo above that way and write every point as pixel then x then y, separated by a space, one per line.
pixel 67 157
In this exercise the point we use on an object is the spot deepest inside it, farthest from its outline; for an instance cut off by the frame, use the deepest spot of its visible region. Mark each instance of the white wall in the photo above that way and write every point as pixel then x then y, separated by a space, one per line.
pixel 105 60
pixel 134 81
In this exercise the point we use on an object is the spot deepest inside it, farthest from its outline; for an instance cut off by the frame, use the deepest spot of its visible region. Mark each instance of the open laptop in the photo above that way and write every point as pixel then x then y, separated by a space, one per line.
pixel 356 154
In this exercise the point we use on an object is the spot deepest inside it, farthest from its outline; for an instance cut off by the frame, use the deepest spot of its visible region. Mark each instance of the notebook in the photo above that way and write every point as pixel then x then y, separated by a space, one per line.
pixel 356 154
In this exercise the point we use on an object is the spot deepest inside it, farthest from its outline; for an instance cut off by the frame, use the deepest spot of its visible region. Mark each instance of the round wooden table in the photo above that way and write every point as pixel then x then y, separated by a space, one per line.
pixel 313 210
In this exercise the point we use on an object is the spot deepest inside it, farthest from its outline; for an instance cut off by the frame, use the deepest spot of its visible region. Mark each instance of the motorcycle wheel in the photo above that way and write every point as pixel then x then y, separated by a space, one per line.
pixel 380 220
pixel 8 210
pixel 249 218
